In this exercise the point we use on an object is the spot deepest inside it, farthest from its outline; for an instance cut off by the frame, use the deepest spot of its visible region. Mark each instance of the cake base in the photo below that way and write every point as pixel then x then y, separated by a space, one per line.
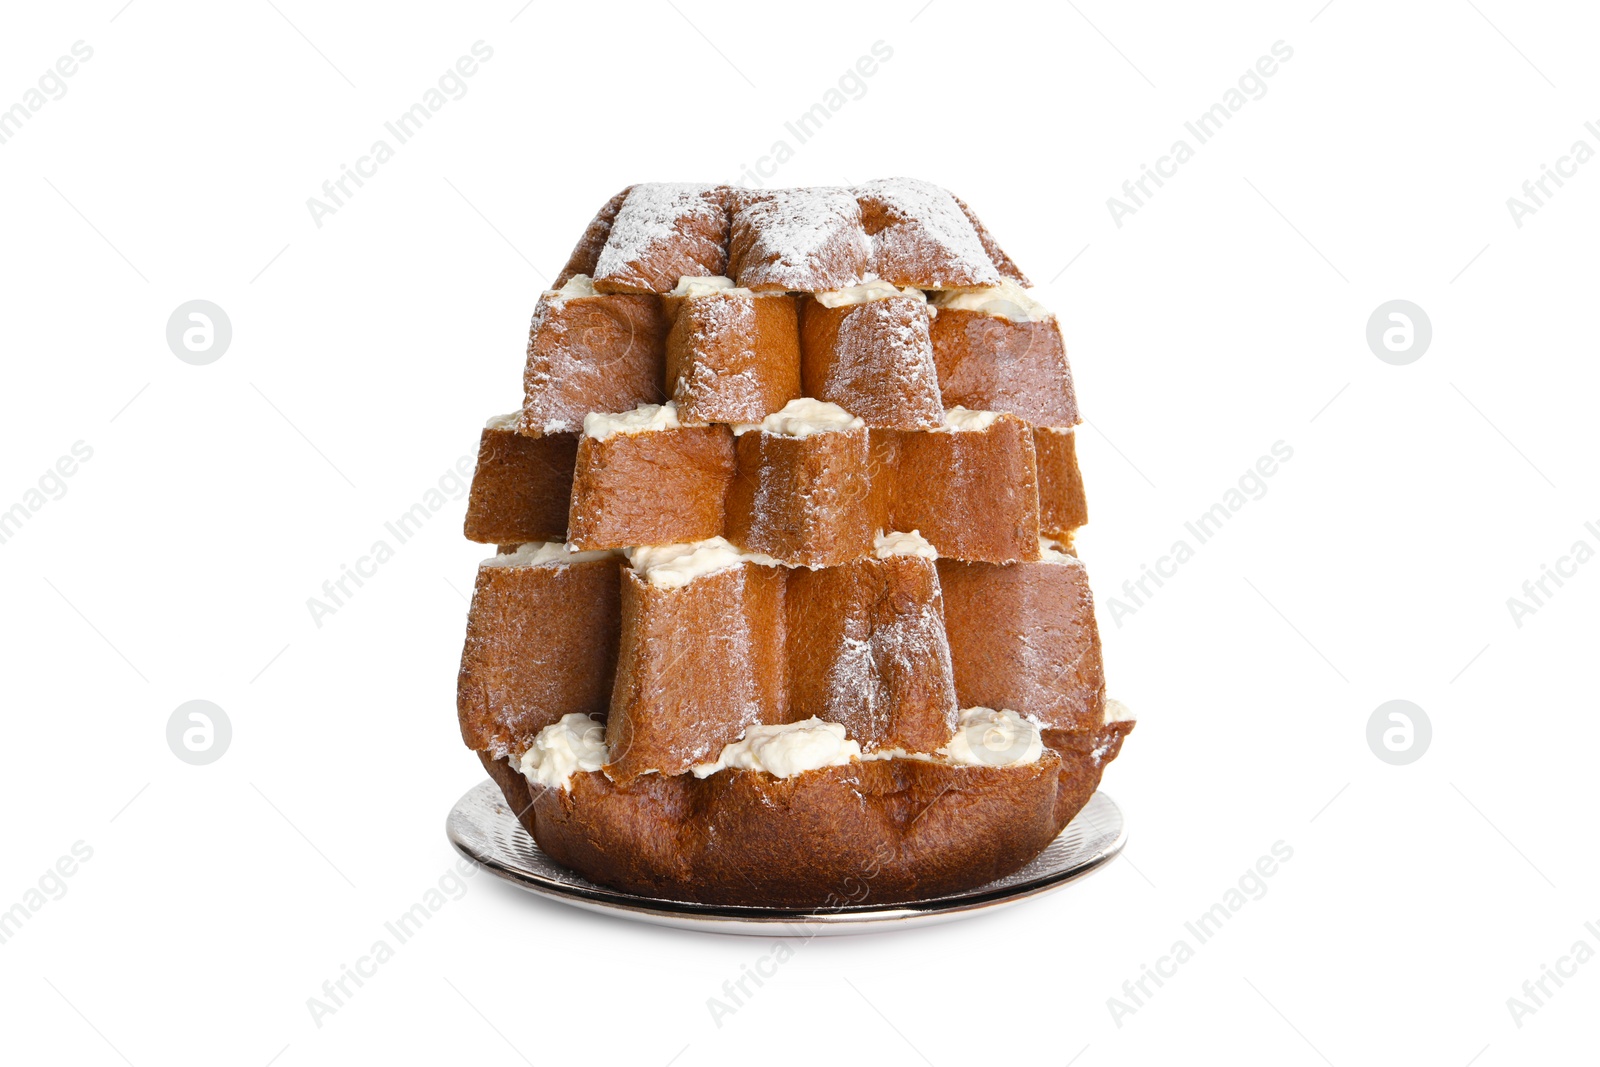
pixel 483 829
pixel 871 833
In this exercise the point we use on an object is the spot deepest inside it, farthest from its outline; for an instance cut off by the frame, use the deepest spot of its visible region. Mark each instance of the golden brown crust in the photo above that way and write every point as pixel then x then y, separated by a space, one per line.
pixel 521 487
pixel 989 363
pixel 639 258
pixel 921 238
pixel 875 360
pixel 513 786
pixel 883 467
pixel 591 353
pixel 1062 504
pixel 974 494
pixel 847 258
pixel 867 648
pixel 1023 636
pixel 541 643
pixel 801 499
pixel 1084 754
pixel 652 488
pixel 997 255
pixel 733 358
pixel 697 664
pixel 878 832
pixel 587 251
pixel 801 240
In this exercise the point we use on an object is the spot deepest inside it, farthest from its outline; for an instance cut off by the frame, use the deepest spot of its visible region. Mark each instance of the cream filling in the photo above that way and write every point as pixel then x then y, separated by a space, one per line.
pixel 803 417
pixel 643 419
pixel 963 419
pixel 1051 551
pixel 578 285
pixel 576 743
pixel 1008 300
pixel 711 285
pixel 866 294
pixel 786 750
pixel 896 543
pixel 715 285
pixel 1117 711
pixel 509 421
pixel 984 737
pixel 546 553
pixel 990 738
pixel 674 566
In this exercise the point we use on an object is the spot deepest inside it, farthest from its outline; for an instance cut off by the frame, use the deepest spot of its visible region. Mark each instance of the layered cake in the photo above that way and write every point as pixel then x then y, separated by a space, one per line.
pixel 785 596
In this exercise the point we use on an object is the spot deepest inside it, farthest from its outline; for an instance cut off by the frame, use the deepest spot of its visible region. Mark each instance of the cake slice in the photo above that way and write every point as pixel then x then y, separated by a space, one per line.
pixel 1023 636
pixel 732 355
pixel 591 352
pixel 663 231
pixel 921 236
pixel 644 478
pixel 998 349
pixel 971 487
pixel 867 648
pixel 586 253
pixel 1063 507
pixel 802 240
pixel 867 349
pixel 541 644
pixel 521 486
pixel 801 490
pixel 701 656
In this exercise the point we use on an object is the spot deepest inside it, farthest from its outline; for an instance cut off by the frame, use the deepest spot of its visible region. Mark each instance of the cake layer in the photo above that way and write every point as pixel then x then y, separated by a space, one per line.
pixel 1023 636
pixel 905 231
pixel 884 830
pixel 695 643
pixel 808 485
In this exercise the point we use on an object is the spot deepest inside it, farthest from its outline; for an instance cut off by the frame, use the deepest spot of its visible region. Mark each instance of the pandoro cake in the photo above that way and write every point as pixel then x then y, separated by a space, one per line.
pixel 785 587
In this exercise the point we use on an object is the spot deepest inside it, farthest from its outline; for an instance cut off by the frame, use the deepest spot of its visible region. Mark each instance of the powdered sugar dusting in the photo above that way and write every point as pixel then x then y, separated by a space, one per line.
pixel 657 218
pixel 883 367
pixel 921 237
pixel 803 240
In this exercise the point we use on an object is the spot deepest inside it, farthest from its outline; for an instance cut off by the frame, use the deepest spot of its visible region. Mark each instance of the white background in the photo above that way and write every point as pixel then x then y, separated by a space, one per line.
pixel 1227 314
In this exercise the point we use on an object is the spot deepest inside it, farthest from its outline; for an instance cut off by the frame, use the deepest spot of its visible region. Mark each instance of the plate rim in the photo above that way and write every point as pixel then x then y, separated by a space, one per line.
pixel 603 900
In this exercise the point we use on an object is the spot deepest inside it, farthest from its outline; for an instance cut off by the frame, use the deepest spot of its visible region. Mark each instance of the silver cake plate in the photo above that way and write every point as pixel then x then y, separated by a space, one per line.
pixel 483 829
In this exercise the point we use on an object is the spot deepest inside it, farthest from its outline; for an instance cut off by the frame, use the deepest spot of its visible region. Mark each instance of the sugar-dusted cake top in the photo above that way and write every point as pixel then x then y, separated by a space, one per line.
pixel 903 231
